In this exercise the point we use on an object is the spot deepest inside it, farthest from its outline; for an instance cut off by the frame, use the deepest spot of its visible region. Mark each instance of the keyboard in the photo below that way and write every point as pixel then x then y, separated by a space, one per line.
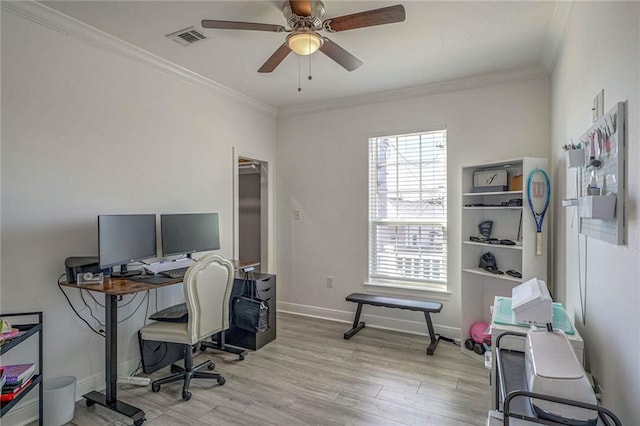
pixel 175 273
pixel 151 279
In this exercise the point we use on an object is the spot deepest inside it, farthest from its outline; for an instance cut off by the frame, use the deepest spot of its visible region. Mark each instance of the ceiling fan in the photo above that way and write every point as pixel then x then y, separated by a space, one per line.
pixel 305 19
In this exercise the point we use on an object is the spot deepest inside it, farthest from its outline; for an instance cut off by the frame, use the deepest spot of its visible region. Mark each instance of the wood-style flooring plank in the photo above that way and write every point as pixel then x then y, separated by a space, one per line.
pixel 396 412
pixel 454 410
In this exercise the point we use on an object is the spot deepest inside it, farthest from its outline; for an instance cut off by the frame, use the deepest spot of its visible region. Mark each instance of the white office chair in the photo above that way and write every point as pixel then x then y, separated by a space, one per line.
pixel 207 289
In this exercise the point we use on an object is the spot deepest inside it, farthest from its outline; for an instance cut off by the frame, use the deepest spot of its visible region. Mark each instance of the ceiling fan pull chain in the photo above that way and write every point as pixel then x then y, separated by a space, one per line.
pixel 310 66
pixel 299 72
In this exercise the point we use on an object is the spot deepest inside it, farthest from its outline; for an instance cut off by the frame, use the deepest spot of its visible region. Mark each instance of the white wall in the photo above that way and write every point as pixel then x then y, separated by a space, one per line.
pixel 601 49
pixel 88 132
pixel 323 162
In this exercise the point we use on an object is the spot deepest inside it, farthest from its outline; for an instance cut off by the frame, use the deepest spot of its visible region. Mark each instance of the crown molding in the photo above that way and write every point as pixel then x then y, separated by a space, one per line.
pixel 57 21
pixel 518 74
pixel 555 34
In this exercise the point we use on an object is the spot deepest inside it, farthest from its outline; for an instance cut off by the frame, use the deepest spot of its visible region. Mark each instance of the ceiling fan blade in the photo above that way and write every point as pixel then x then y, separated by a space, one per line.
pixel 341 56
pixel 233 25
pixel 301 7
pixel 275 59
pixel 369 18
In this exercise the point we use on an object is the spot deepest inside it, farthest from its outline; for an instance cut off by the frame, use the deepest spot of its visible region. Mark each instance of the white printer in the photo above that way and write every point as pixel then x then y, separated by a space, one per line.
pixel 551 365
pixel 531 302
pixel 553 369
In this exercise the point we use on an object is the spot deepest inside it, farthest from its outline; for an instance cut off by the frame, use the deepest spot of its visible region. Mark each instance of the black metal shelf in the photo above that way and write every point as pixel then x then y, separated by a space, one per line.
pixel 6 406
pixel 26 331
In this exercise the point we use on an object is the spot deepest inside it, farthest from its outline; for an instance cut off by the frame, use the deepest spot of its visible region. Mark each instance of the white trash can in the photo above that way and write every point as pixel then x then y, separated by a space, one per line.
pixel 59 400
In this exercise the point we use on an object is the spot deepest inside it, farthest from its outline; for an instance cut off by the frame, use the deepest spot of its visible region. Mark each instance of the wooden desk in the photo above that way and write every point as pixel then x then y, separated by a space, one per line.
pixel 113 288
pixel 240 265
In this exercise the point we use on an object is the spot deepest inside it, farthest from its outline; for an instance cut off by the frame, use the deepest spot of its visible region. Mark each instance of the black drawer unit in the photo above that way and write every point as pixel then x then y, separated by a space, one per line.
pixel 266 290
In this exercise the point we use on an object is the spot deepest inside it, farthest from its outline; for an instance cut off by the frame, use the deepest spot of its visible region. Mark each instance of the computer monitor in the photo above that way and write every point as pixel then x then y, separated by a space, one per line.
pixel 189 233
pixel 126 238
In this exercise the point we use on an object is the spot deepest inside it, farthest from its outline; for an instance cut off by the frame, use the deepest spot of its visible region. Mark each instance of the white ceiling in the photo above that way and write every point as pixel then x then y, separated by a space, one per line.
pixel 438 41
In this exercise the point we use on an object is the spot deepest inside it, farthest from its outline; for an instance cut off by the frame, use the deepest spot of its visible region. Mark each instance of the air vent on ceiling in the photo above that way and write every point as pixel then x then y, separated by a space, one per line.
pixel 186 36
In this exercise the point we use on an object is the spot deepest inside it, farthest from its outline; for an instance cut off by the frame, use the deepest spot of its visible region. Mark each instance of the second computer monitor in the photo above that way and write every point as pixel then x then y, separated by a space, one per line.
pixel 189 233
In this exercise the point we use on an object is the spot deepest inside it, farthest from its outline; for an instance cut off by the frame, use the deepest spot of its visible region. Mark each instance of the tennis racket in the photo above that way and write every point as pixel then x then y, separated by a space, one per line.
pixel 538 195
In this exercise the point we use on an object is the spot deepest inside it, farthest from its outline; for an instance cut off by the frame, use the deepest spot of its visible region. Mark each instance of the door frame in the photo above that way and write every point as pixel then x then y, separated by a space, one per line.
pixel 266 193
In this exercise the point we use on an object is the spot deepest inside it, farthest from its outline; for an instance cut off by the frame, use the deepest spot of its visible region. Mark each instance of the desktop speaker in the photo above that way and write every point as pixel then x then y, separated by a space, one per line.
pixel 82 264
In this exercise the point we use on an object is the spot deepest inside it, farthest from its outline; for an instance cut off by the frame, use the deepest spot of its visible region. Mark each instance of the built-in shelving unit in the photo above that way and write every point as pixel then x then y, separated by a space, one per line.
pixel 512 222
pixel 26 331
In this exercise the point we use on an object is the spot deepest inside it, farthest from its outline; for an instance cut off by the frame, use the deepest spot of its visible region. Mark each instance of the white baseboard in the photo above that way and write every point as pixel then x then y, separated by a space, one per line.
pixel 373 321
pixel 27 411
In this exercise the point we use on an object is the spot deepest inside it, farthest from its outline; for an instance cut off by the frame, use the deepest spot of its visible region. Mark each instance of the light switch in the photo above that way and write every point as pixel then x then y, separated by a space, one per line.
pixel 597 108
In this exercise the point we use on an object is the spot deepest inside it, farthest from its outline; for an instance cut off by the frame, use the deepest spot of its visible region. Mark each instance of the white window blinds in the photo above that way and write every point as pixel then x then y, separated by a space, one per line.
pixel 408 207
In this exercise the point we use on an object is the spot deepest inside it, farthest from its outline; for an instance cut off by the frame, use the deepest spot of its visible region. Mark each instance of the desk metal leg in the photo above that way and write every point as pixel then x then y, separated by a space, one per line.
pixel 110 398
pixel 111 345
pixel 217 342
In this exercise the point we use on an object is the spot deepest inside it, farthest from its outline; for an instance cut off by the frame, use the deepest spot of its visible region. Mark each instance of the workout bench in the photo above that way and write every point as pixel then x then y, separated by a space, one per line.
pixel 395 302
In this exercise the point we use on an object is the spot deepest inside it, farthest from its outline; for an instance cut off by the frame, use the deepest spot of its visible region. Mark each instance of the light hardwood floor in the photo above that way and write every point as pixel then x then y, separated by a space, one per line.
pixel 310 375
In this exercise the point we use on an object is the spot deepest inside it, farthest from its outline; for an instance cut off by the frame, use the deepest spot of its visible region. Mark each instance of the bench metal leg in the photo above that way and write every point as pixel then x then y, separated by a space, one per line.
pixel 432 335
pixel 357 325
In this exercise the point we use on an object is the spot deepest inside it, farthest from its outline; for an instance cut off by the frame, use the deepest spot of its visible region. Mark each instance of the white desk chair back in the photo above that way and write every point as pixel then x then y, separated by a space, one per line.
pixel 207 290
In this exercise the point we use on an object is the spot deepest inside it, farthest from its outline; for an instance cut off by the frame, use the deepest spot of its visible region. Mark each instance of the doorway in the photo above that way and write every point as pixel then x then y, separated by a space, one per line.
pixel 252 211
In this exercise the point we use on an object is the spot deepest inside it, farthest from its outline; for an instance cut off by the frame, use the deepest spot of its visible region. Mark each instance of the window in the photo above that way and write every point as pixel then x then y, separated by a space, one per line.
pixel 408 209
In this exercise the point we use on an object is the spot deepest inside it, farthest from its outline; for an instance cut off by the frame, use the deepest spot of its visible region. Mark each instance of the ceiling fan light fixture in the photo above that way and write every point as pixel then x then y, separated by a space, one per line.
pixel 304 42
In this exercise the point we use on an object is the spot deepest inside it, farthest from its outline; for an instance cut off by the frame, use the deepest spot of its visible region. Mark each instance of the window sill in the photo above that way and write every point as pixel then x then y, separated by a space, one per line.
pixel 408 289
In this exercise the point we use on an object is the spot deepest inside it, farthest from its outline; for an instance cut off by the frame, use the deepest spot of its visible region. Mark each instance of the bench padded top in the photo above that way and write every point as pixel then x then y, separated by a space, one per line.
pixel 395 302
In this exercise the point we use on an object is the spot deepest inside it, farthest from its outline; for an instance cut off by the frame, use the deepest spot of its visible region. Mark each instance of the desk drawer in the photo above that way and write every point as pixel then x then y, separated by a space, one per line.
pixel 268 293
pixel 265 286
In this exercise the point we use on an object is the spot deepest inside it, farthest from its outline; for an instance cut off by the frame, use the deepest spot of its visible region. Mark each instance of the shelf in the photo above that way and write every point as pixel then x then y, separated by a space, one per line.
pixel 476 194
pixel 26 331
pixel 479 271
pixel 511 361
pixel 518 246
pixel 494 208
pixel 6 406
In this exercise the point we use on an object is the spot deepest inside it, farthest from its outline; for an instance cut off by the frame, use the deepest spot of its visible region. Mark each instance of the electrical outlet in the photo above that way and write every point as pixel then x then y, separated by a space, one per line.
pixel 296 214
pixel 329 282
